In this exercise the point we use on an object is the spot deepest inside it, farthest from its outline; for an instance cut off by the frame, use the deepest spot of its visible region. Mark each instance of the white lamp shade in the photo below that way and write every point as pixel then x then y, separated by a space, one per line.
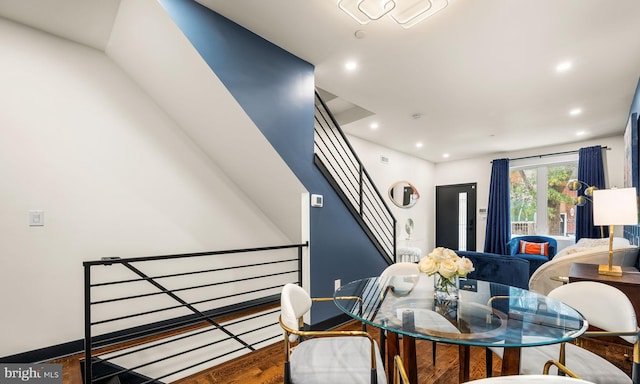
pixel 615 207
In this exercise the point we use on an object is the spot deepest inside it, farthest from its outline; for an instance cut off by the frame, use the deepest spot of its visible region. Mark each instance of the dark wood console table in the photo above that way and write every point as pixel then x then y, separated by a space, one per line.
pixel 615 350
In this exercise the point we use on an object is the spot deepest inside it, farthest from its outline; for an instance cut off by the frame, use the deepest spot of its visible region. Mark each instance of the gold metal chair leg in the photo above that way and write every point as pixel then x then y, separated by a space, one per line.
pixel 561 367
pixel 635 370
pixel 400 375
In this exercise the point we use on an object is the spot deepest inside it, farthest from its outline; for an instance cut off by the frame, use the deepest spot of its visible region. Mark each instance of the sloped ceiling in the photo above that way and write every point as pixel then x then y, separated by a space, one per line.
pixel 87 22
pixel 477 78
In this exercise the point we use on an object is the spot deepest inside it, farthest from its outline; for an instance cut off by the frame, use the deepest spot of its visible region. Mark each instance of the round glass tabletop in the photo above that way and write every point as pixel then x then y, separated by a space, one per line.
pixel 485 314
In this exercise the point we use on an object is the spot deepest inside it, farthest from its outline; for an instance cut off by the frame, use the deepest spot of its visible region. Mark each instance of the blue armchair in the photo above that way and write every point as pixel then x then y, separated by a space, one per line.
pixel 535 260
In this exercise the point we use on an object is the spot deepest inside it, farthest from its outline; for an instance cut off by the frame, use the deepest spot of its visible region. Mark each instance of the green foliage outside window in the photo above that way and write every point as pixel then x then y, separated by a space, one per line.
pixel 524 191
pixel 523 194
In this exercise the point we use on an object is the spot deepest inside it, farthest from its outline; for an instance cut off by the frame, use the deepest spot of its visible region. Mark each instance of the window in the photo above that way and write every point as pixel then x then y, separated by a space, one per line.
pixel 541 204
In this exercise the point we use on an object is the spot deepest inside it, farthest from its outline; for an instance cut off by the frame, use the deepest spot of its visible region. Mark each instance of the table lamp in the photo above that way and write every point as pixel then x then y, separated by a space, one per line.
pixel 614 207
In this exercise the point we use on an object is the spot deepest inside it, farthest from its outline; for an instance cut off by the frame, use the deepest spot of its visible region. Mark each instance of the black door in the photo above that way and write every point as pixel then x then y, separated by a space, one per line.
pixel 456 216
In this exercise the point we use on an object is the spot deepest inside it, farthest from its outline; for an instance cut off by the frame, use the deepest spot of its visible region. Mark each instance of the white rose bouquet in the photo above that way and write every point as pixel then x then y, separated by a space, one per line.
pixel 447 265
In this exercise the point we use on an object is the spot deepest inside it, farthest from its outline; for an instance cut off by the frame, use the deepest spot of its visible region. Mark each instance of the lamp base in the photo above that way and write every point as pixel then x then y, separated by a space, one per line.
pixel 614 271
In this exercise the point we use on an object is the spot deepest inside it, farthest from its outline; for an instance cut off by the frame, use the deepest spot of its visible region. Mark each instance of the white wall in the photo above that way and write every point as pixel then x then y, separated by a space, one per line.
pixel 478 170
pixel 114 174
pixel 418 172
pixel 148 45
pixel 426 176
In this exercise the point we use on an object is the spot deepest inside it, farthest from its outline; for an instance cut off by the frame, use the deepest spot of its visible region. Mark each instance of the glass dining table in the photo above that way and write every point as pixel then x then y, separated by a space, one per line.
pixel 485 314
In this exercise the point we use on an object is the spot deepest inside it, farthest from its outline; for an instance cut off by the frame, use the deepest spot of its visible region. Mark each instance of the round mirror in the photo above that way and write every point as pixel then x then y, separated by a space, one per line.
pixel 403 194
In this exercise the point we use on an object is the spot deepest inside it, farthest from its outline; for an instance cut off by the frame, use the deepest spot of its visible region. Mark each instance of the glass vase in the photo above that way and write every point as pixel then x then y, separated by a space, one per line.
pixel 445 289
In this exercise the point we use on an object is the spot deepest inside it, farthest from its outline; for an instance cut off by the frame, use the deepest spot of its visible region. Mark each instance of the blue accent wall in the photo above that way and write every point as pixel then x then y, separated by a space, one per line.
pixel 276 90
pixel 632 233
pixel 635 104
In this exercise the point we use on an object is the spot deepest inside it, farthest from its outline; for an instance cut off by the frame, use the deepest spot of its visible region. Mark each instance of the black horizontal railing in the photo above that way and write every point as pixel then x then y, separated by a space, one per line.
pixel 150 319
pixel 338 161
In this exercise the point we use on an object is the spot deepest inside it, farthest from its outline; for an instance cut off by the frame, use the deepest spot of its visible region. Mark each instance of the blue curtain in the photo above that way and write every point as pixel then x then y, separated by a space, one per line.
pixel 591 172
pixel 498 231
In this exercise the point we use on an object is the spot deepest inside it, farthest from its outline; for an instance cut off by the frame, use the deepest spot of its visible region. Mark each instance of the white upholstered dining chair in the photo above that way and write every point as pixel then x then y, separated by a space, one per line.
pixel 604 307
pixel 530 379
pixel 324 357
pixel 401 269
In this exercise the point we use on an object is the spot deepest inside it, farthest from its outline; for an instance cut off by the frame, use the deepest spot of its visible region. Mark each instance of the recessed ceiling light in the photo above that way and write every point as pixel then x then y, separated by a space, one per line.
pixel 419 145
pixel 445 155
pixel 373 126
pixel 581 133
pixel 564 66
pixel 575 112
pixel 351 65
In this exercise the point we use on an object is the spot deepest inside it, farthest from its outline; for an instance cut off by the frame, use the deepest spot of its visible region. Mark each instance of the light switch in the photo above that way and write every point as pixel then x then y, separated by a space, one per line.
pixel 36 218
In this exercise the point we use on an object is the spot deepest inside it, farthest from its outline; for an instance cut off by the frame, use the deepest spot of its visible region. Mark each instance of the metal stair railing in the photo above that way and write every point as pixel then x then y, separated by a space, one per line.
pixel 156 319
pixel 337 160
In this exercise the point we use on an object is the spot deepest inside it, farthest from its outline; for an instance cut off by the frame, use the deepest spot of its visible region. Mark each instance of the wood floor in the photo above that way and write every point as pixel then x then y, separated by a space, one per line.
pixel 265 366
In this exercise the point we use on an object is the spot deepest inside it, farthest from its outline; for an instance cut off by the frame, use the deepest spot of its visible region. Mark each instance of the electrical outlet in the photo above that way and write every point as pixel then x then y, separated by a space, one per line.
pixel 336 284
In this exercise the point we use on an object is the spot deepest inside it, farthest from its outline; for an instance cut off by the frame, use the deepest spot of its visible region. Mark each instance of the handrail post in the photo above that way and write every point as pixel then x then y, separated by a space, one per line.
pixel 300 263
pixel 361 190
pixel 88 376
pixel 395 242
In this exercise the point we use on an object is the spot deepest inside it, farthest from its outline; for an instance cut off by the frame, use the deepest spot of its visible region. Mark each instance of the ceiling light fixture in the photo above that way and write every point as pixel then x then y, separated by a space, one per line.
pixel 575 112
pixel 351 65
pixel 419 145
pixel 406 13
pixel 373 126
pixel 445 155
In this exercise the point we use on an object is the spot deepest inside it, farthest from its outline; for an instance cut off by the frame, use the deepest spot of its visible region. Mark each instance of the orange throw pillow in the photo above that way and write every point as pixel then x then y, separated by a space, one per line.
pixel 534 248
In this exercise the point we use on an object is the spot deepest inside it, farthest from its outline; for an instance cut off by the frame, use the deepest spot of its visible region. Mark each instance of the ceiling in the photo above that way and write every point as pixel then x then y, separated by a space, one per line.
pixel 478 78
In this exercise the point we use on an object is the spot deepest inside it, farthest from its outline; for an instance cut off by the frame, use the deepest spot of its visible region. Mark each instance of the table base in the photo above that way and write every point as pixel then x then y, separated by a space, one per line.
pixel 510 360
